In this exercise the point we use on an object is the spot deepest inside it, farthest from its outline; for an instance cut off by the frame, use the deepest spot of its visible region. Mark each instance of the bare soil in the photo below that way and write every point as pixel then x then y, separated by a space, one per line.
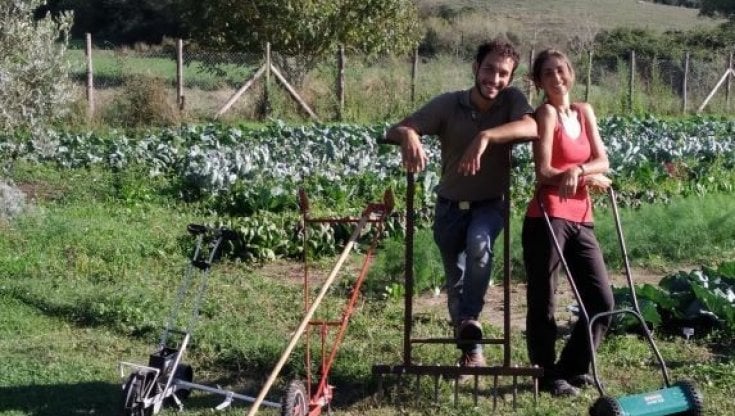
pixel 493 312
pixel 293 272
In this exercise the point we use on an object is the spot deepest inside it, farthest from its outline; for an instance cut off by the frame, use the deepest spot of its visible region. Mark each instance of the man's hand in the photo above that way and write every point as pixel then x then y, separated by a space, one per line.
pixel 470 163
pixel 597 182
pixel 412 152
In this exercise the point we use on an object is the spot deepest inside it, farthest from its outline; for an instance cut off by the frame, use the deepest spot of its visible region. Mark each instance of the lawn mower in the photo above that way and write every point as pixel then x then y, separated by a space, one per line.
pixel 166 380
pixel 681 398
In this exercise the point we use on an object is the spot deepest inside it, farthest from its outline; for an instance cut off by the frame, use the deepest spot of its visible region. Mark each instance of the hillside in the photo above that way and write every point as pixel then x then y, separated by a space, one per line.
pixel 551 21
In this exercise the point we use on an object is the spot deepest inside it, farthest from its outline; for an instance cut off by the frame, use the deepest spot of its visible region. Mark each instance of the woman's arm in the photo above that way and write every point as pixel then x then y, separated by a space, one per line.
pixel 598 162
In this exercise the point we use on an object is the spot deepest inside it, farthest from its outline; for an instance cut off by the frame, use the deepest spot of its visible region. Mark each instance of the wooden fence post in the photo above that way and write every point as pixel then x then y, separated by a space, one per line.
pixel 90 76
pixel 180 74
pixel 341 82
pixel 631 88
pixel 729 85
pixel 530 75
pixel 267 86
pixel 414 70
pixel 589 77
pixel 684 84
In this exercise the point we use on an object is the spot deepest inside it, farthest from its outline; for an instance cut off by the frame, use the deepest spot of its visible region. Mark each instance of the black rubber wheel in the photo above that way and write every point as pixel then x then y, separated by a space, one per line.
pixel 183 372
pixel 133 396
pixel 696 401
pixel 295 402
pixel 606 406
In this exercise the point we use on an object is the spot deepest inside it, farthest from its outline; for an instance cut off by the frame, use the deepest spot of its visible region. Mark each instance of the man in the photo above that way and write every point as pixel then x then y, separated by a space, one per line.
pixel 475 128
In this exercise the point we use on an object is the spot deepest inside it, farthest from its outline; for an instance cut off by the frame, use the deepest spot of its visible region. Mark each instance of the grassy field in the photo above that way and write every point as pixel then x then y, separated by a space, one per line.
pixel 88 275
pixel 529 16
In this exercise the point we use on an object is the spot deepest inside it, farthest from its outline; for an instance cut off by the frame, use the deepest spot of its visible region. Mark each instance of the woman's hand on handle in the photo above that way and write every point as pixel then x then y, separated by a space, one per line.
pixel 597 182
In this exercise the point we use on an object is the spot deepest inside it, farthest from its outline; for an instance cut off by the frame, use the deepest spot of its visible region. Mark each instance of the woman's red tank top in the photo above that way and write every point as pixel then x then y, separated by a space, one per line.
pixel 566 152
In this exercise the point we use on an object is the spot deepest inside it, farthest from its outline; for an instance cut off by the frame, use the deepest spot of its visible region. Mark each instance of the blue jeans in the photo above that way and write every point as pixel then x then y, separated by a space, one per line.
pixel 465 238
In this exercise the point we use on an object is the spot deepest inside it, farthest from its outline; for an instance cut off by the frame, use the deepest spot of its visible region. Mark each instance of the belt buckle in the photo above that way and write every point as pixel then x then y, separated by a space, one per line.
pixel 464 205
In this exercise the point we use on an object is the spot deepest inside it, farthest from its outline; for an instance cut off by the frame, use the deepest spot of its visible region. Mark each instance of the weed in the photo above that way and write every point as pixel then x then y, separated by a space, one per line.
pixel 144 102
pixel 12 201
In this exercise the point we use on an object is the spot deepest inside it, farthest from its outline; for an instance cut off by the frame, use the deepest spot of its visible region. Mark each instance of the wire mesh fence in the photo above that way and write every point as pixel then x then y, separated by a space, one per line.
pixel 383 88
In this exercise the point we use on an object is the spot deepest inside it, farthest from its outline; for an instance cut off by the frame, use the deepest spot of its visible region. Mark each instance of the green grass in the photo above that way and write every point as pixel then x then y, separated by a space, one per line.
pixel 695 230
pixel 50 366
pixel 529 16
pixel 111 66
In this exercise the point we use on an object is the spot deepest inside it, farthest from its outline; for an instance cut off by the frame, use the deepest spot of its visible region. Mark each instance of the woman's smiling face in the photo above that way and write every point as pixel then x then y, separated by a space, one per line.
pixel 556 77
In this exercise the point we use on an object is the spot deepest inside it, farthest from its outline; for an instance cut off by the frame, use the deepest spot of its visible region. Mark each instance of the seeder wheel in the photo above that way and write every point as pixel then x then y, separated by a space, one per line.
pixel 695 398
pixel 606 406
pixel 184 372
pixel 295 402
pixel 133 396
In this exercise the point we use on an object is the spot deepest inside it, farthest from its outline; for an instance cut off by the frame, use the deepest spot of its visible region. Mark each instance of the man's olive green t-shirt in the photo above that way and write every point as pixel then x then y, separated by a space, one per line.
pixel 453 118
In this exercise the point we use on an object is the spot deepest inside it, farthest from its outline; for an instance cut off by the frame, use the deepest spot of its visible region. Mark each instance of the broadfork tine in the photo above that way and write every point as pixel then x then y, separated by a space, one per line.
pixel 436 389
pixel 495 392
pixel 456 391
pixel 475 390
pixel 418 387
pixel 515 391
pixel 398 388
pixel 380 386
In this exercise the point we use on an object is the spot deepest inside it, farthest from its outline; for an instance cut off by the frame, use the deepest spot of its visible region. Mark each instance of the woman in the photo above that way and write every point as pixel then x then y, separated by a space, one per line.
pixel 569 159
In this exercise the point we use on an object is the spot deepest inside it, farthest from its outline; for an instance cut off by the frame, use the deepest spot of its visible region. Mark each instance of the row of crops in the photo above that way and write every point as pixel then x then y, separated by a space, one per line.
pixel 249 177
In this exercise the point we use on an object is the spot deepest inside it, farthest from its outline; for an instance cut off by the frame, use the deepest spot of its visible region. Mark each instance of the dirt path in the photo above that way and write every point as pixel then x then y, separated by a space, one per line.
pixel 493 311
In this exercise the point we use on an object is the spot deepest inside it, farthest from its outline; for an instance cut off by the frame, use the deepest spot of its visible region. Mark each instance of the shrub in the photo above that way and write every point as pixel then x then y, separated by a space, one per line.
pixel 144 102
pixel 34 83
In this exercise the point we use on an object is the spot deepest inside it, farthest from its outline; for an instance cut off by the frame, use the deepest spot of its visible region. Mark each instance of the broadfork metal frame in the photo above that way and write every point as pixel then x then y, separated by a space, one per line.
pixel 409 367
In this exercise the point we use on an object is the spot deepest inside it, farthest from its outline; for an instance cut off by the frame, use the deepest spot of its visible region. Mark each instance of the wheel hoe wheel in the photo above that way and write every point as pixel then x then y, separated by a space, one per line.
pixel 694 396
pixel 184 372
pixel 132 397
pixel 606 406
pixel 295 402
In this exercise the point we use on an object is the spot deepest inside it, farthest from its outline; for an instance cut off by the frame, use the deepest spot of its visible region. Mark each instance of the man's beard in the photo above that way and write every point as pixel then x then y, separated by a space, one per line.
pixel 478 87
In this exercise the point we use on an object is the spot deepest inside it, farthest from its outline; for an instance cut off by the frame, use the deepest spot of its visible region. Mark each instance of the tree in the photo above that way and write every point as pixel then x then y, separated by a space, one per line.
pixel 307 29
pixel 34 84
pixel 714 8
pixel 119 21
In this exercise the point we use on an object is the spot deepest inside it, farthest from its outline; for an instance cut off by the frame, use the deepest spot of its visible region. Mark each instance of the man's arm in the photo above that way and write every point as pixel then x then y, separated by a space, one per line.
pixel 523 129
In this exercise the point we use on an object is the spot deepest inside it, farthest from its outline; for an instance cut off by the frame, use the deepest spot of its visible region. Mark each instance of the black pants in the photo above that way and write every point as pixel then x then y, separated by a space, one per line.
pixel 583 255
